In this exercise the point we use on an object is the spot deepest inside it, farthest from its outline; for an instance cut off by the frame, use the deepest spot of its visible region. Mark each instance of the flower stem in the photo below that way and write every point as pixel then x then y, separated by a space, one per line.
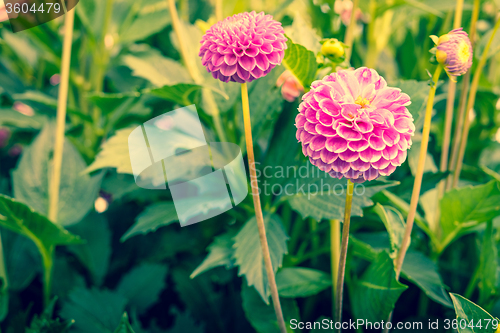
pixel 419 174
pixel 62 101
pixel 195 74
pixel 450 103
pixel 462 102
pixel 343 252
pixel 470 104
pixel 335 254
pixel 219 10
pixel 258 209
pixel 48 263
pixel 349 33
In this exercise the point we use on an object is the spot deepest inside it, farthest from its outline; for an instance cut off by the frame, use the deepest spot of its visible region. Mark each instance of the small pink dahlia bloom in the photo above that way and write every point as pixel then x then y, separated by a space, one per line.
pixel 351 124
pixel 454 51
pixel 290 86
pixel 243 47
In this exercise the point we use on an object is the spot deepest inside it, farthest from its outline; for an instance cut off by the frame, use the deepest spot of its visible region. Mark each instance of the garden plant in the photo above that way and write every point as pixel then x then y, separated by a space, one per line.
pixel 366 136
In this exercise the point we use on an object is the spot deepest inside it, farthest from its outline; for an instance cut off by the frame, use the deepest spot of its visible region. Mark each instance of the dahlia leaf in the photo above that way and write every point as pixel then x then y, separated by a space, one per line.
pixel 466 207
pixel 124 326
pixel 182 93
pixel 221 254
pixel 301 62
pixel 301 282
pixel 262 316
pixel 248 252
pixel 393 222
pixel 423 272
pixel 471 317
pixel 155 216
pixel 376 293
pixel 32 178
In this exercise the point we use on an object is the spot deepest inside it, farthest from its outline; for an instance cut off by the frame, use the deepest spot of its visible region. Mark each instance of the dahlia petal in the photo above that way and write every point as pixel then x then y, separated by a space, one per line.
pixel 311 115
pixel 324 118
pixel 390 152
pixel 371 174
pixel 274 58
pixel 300 120
pixel 340 166
pixel 349 155
pixel 350 111
pixel 387 171
pixel 257 72
pixel 400 158
pixel 327 131
pixel 328 156
pixel 298 133
pixel 358 145
pixel 390 137
pixel 306 137
pixel 230 59
pixel 370 155
pixel 217 59
pixel 349 133
pixel 380 164
pixel 311 128
pixel 266 48
pixel 317 143
pixel 251 51
pixel 364 126
pixel 336 144
pixel 360 165
pixel 376 142
pixel 402 125
pixel 248 63
pixel 228 70
pixel 330 107
pixel 261 61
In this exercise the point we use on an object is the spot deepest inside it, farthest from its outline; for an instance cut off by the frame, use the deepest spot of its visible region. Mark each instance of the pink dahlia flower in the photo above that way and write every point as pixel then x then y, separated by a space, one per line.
pixel 454 51
pixel 351 124
pixel 243 47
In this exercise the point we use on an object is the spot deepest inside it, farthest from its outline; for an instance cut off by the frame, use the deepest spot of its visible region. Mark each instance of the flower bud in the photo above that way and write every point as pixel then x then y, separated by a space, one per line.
pixel 454 52
pixel 332 49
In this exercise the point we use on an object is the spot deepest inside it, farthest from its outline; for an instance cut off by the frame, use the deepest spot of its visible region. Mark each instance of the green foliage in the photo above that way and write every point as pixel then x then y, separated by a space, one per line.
pixel 45 324
pixel 154 217
pixel 471 317
pixel 301 282
pixel 301 62
pixel 124 326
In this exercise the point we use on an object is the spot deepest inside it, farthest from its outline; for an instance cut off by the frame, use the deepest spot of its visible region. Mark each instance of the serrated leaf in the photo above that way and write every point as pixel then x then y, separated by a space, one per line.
pixel 45 324
pixel 471 313
pixel 394 223
pixel 124 326
pixel 301 62
pixel 23 220
pixel 221 254
pixel 301 282
pixel 376 293
pixel 182 93
pixel 94 310
pixel 248 252
pixel 155 216
pixel 473 204
pixel 185 323
pixel 142 285
pixel 33 175
pixel 330 204
pixel 96 252
pixel 262 316
pixel 424 273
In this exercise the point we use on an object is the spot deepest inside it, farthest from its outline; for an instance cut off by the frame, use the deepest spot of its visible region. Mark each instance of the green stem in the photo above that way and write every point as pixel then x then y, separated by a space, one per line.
pixel 343 252
pixel 48 262
pixel 334 254
pixel 470 103
pixel 419 174
pixel 450 103
pixel 315 238
pixel 62 101
pixel 258 210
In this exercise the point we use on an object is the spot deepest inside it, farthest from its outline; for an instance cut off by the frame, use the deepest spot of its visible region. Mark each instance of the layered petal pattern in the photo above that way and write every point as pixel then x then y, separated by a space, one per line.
pixel 351 124
pixel 243 47
pixel 454 51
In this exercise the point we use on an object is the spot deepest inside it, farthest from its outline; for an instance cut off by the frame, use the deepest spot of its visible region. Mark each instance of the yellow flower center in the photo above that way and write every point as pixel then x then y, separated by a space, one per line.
pixel 463 52
pixel 364 102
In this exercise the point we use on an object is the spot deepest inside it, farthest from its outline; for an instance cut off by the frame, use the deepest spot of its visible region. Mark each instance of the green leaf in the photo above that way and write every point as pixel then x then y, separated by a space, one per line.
pixel 142 285
pixel 374 295
pixel 124 326
pixel 94 310
pixel 262 316
pixel 468 206
pixel 22 260
pixel 221 254
pixel 301 32
pixel 301 62
pixel 185 323
pixel 150 19
pixel 301 282
pixel 33 175
pixel 471 313
pixel 23 220
pixel 422 271
pixel 150 65
pixel 96 252
pixel 182 93
pixel 45 324
pixel 330 204
pixel 155 216
pixel 394 223
pixel 248 252
pixel 16 119
pixel 488 265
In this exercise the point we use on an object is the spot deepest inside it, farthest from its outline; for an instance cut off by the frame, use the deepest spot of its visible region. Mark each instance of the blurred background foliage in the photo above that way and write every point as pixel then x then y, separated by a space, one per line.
pixel 126 68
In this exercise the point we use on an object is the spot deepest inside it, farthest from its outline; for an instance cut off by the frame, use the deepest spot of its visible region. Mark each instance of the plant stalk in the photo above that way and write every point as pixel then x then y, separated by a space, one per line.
pixel 335 255
pixel 62 101
pixel 349 33
pixel 419 174
pixel 48 263
pixel 219 12
pixel 450 104
pixel 343 252
pixel 470 104
pixel 258 209
pixel 195 74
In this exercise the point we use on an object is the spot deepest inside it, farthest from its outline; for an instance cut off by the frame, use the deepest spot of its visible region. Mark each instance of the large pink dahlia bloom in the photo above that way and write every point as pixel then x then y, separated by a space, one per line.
pixel 243 47
pixel 351 124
